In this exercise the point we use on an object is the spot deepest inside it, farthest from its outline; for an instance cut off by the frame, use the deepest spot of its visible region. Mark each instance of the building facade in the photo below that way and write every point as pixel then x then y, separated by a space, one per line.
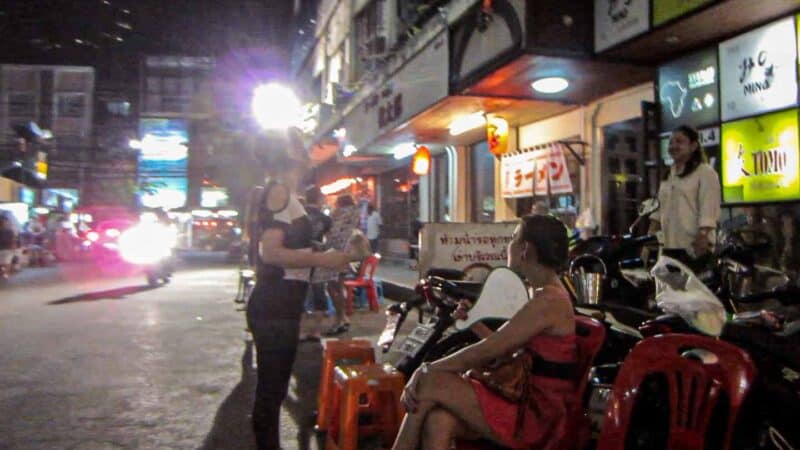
pixel 58 99
pixel 398 75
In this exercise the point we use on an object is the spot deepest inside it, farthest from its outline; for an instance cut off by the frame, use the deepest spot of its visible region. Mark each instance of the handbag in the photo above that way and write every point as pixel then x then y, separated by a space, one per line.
pixel 509 378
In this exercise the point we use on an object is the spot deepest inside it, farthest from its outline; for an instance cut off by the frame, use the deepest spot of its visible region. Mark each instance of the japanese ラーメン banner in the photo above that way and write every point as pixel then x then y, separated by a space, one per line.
pixel 472 247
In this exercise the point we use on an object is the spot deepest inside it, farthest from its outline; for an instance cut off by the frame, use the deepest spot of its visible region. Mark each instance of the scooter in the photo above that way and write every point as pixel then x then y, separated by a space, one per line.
pixel 771 338
pixel 150 245
pixel 492 303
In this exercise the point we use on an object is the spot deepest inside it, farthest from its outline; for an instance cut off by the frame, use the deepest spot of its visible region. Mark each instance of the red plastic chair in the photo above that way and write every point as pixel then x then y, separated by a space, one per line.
pixel 694 387
pixel 590 336
pixel 364 280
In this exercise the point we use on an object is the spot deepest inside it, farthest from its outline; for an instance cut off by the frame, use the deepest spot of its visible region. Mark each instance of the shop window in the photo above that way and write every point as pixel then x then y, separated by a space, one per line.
pixel 371 38
pixel 71 105
pixel 440 193
pixel 22 105
pixel 624 186
pixel 482 183
pixel 399 203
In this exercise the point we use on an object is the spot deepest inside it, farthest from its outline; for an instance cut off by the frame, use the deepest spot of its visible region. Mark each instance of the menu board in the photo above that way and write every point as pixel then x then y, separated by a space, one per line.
pixel 617 21
pixel 666 10
pixel 688 91
pixel 760 159
pixel 758 70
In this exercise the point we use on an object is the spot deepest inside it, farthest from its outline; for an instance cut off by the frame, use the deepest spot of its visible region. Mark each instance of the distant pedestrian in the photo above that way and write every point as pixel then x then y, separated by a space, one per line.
pixel 320 227
pixel 8 242
pixel 374 223
pixel 345 220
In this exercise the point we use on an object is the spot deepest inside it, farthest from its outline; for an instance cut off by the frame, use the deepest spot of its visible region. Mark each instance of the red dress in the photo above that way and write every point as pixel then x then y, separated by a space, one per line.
pixel 546 419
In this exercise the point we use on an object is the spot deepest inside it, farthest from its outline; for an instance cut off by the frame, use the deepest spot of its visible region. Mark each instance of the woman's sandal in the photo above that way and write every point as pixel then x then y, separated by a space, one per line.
pixel 338 329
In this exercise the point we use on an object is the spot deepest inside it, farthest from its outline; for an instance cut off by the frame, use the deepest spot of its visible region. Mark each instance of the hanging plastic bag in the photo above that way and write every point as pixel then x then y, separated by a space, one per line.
pixel 680 292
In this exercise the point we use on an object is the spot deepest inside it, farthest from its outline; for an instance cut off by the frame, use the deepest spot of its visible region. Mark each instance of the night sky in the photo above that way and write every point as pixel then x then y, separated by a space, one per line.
pixel 111 34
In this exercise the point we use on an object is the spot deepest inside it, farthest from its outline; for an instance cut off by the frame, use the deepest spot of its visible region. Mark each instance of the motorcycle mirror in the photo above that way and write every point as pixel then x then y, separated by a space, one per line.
pixel 648 206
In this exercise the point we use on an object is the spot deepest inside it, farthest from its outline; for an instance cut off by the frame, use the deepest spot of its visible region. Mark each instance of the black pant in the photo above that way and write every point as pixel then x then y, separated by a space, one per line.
pixel 273 315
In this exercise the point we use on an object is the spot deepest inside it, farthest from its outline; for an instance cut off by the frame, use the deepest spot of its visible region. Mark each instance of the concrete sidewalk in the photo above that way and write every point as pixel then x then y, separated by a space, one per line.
pixel 397 278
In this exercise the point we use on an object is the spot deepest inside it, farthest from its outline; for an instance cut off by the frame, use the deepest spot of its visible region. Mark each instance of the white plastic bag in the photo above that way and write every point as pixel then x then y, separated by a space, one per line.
pixel 680 292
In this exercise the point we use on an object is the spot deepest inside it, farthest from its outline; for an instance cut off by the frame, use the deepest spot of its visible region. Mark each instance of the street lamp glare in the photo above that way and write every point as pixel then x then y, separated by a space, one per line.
pixel 275 107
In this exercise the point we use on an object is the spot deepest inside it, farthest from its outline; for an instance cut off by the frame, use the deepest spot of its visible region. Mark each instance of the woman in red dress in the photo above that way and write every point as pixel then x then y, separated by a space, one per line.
pixel 443 405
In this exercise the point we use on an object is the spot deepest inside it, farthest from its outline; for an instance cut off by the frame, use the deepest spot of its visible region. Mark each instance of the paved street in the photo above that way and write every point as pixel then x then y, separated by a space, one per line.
pixel 99 361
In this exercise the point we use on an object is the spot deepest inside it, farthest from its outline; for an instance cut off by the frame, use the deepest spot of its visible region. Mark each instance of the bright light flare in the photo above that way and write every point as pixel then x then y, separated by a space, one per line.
pixel 466 123
pixel 147 243
pixel 276 107
pixel 93 236
pixel 404 150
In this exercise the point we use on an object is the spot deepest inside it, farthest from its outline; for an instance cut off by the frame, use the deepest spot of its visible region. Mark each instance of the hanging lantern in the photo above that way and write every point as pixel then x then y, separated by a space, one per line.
pixel 421 164
pixel 497 135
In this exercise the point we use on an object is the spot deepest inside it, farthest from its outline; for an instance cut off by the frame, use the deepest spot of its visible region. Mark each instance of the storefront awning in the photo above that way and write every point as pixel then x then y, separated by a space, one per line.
pixel 588 79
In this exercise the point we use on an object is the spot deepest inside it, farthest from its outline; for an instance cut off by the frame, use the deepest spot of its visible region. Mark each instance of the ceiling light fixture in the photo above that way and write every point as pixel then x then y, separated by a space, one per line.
pixel 466 123
pixel 550 85
pixel 404 150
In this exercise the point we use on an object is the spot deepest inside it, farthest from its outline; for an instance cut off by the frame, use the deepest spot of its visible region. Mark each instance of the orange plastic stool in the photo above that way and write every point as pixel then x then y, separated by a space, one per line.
pixel 370 392
pixel 338 352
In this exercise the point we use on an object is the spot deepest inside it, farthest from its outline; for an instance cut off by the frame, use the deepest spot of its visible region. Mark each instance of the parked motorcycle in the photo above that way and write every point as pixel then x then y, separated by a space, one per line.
pixel 491 304
pixel 771 338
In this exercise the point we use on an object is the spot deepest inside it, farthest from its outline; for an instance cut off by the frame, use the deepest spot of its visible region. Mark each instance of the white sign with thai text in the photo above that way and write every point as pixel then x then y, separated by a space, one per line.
pixel 758 70
pixel 464 246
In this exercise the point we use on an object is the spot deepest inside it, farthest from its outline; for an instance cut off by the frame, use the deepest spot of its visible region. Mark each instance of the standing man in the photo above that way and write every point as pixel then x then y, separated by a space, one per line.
pixel 374 223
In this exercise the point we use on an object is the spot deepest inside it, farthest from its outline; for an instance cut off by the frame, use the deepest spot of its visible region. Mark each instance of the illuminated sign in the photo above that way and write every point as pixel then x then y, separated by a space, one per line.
pixel 688 91
pixel 337 186
pixel 666 10
pixel 760 159
pixel 213 197
pixel 619 20
pixel 163 162
pixel 758 70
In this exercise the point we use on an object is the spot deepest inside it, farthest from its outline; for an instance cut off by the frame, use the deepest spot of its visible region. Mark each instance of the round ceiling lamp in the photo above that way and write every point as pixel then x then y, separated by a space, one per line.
pixel 550 85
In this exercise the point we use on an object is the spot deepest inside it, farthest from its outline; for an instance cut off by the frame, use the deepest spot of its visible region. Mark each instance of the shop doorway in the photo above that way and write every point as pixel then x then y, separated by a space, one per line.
pixel 623 174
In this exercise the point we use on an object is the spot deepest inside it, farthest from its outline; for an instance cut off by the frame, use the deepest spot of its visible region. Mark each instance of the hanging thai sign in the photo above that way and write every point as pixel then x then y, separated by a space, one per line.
pixel 688 91
pixel 758 70
pixel 619 20
pixel 517 173
pixel 666 10
pixel 419 84
pixel 526 174
pixel 760 160
pixel 497 135
pixel 552 174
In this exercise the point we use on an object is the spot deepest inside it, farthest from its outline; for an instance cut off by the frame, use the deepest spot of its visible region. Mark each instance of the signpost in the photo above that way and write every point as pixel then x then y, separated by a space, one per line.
pixel 758 70
pixel 760 160
pixel 688 90
pixel 617 21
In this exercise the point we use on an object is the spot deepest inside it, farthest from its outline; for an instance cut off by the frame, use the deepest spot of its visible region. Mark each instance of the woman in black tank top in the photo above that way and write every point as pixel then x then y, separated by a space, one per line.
pixel 281 237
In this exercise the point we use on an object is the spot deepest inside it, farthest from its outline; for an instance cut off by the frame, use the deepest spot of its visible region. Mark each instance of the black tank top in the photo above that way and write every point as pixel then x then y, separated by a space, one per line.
pixel 297 231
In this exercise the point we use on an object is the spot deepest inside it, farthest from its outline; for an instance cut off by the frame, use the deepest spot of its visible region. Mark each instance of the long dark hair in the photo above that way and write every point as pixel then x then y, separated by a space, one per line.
pixel 698 156
pixel 549 236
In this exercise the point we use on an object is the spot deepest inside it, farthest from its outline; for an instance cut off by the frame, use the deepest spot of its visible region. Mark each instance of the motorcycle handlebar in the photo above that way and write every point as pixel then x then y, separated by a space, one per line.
pixel 458 289
pixel 786 295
